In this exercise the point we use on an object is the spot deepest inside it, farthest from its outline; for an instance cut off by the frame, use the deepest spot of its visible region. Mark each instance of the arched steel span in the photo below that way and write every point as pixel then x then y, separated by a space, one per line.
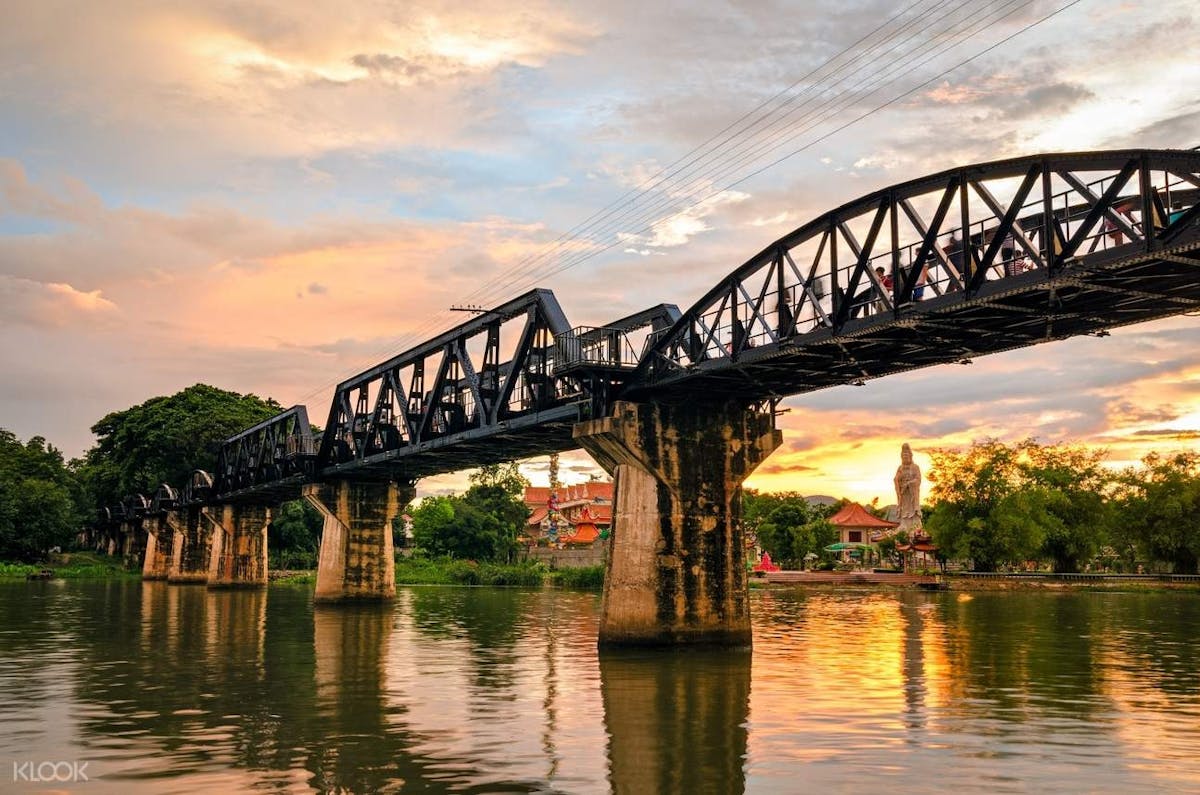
pixel 966 262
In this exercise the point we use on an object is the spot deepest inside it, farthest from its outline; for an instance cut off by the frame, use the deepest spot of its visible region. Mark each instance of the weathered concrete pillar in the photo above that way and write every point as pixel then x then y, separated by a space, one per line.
pixel 133 543
pixel 238 555
pixel 192 548
pixel 357 560
pixel 676 564
pixel 160 544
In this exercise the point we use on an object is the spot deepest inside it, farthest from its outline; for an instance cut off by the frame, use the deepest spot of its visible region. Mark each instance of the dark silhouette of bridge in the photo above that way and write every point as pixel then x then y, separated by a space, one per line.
pixel 941 269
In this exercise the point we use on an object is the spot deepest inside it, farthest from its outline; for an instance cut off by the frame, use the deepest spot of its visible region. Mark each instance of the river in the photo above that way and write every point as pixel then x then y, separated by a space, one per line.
pixel 144 687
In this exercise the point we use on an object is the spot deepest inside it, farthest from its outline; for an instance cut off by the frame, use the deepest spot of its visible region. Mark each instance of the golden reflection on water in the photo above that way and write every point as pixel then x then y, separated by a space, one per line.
pixel 180 689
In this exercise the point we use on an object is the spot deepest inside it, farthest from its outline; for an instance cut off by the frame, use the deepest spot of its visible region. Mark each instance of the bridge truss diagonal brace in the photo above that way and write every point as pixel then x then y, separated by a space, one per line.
pixel 357 558
pixel 676 571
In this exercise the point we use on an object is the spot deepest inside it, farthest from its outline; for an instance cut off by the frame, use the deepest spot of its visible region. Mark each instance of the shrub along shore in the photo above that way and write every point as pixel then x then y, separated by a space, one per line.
pixel 70 566
pixel 409 571
pixel 445 571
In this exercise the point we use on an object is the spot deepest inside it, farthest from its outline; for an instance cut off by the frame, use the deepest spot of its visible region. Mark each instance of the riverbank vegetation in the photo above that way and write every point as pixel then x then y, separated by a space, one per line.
pixel 41 507
pixel 482 524
pixel 1028 505
pixel 788 526
pixel 1024 506
pixel 72 566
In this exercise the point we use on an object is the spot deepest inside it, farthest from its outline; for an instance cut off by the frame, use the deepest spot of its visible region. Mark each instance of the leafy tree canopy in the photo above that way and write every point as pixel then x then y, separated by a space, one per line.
pixel 997 504
pixel 452 526
pixel 499 492
pixel 1156 513
pixel 295 527
pixel 165 438
pixel 38 506
pixel 786 525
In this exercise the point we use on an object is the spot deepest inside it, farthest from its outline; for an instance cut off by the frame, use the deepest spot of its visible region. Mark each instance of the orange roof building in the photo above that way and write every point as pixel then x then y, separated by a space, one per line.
pixel 585 512
pixel 856 525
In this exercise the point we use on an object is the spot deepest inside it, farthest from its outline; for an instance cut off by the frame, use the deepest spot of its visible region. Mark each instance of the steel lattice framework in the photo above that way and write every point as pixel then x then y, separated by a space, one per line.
pixel 490 380
pixel 970 261
pixel 940 269
pixel 276 451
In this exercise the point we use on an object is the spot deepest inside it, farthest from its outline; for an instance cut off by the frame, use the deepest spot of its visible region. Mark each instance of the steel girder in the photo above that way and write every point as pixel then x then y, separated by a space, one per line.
pixel 274 450
pixel 962 263
pixel 486 390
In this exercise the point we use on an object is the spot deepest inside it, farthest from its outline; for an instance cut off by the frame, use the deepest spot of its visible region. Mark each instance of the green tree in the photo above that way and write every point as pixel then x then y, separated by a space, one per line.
pixel 505 477
pixel 295 531
pixel 498 491
pixel 38 510
pixel 968 487
pixel 163 439
pixel 1065 488
pixel 452 526
pixel 996 504
pixel 1158 511
pixel 786 526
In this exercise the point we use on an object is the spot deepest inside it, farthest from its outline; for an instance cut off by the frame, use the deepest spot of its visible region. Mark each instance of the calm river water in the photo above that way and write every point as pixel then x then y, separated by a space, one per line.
pixel 176 689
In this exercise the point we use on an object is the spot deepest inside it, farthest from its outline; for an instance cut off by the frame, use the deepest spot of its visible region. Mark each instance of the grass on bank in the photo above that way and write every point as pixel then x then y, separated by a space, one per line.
pixel 71 566
pixel 409 571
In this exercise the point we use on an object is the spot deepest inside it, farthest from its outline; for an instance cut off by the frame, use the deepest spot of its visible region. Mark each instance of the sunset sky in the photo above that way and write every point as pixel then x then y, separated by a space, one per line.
pixel 269 196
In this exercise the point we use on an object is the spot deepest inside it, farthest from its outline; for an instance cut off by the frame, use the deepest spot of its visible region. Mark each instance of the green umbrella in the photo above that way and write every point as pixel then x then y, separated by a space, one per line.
pixel 843 545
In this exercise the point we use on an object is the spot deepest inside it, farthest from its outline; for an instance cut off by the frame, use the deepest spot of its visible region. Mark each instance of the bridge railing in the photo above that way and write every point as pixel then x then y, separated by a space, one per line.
pixel 948 234
pixel 1069 217
pixel 592 347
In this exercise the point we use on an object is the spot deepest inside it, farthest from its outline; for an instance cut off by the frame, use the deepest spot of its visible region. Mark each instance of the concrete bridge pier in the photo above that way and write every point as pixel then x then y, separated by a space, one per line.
pixel 676 565
pixel 192 548
pixel 160 543
pixel 357 560
pixel 238 554
pixel 133 543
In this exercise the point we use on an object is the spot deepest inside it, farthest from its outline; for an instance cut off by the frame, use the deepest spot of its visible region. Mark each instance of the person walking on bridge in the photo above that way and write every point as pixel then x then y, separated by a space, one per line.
pixel 954 251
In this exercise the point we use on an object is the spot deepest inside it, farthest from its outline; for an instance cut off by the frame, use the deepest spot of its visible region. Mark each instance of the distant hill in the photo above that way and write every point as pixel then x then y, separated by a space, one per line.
pixel 821 499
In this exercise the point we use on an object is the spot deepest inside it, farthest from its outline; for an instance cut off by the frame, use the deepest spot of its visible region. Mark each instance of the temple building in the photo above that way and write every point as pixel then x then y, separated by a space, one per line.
pixel 856 525
pixel 579 515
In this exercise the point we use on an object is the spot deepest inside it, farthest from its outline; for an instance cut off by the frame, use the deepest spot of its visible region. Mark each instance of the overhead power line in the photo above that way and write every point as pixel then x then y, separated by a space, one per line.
pixel 741 145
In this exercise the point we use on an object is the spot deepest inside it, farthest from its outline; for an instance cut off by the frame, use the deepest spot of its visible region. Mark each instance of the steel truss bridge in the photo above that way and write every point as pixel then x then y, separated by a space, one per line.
pixel 966 262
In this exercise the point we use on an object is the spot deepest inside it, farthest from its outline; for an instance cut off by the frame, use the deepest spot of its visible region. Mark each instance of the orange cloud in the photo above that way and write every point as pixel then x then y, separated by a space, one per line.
pixel 51 305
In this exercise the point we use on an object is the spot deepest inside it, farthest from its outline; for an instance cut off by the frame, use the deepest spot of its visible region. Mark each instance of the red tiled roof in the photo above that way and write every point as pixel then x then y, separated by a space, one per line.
pixel 854 515
pixel 586 493
pixel 537 495
pixel 920 546
pixel 601 513
pixel 584 534
pixel 538 515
